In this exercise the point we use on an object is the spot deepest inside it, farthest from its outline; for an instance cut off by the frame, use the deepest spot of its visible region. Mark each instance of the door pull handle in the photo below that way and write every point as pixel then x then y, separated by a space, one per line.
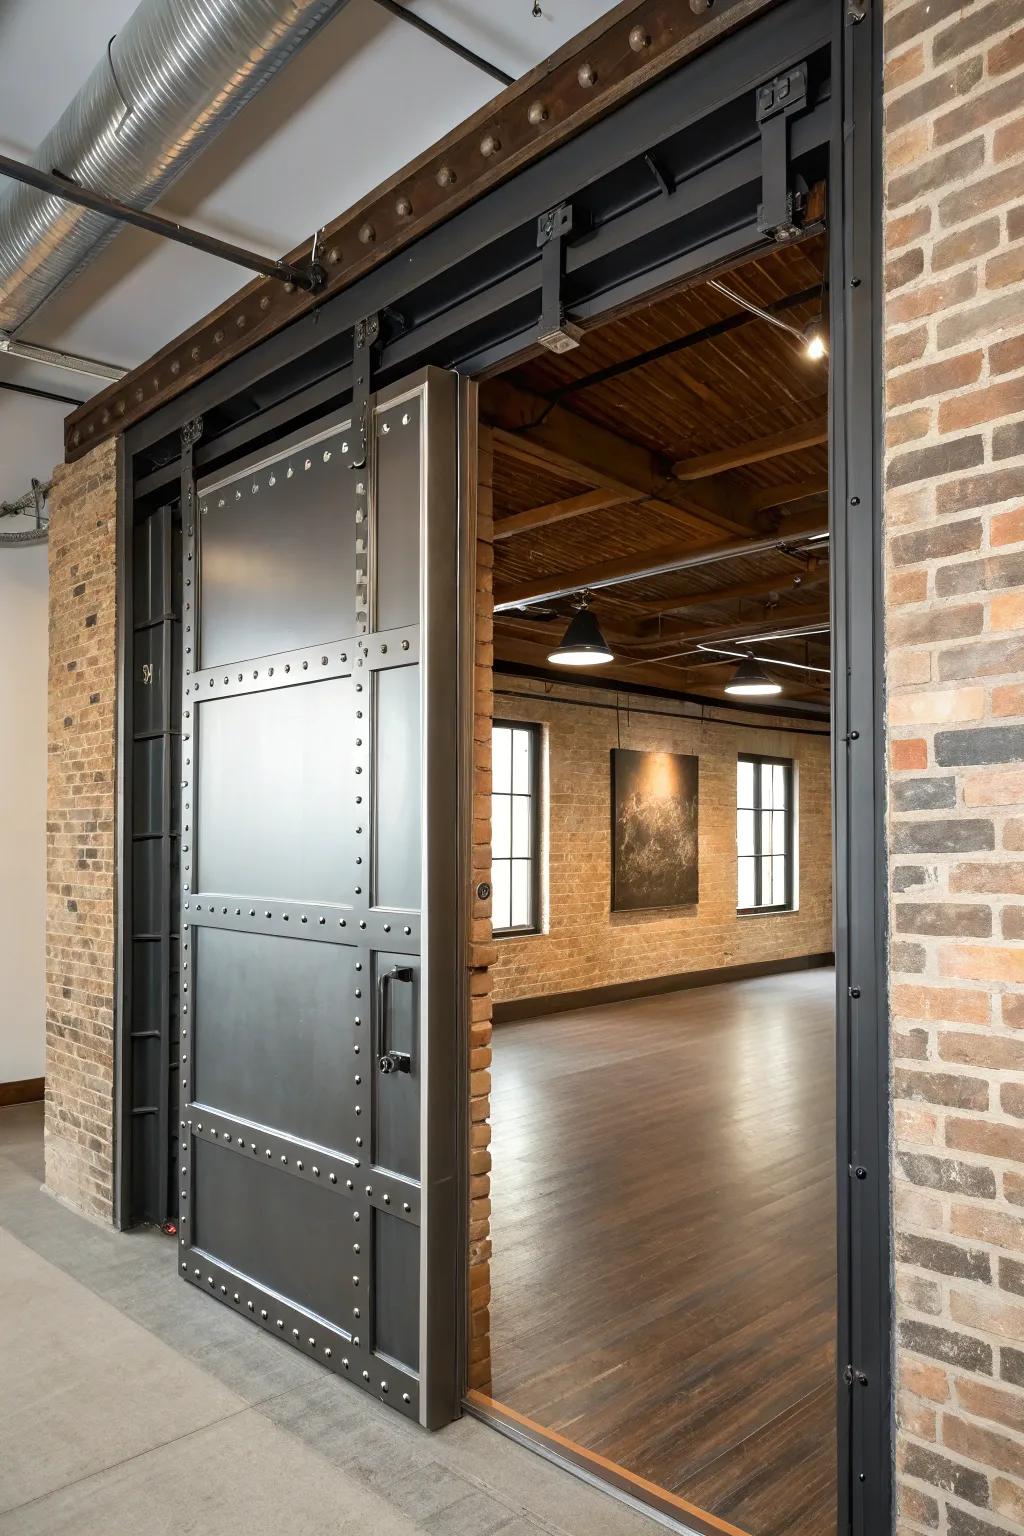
pixel 391 1061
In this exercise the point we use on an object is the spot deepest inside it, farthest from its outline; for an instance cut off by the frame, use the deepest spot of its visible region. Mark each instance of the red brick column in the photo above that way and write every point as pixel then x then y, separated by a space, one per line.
pixel 80 838
pixel 482 952
pixel 954 510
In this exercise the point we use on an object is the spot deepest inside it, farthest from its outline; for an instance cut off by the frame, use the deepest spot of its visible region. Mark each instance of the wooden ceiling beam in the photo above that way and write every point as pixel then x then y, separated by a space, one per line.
pixel 658 561
pixel 764 497
pixel 559 512
pixel 528 428
pixel 807 434
pixel 535 654
pixel 763 586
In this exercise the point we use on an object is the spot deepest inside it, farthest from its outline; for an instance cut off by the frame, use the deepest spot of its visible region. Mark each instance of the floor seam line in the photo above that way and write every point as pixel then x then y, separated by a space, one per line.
pixel 731 1449
pixel 125 1461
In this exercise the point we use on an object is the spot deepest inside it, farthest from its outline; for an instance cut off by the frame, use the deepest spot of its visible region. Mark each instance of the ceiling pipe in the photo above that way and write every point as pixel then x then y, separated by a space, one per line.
pixel 169 81
pixel 49 357
pixel 795 631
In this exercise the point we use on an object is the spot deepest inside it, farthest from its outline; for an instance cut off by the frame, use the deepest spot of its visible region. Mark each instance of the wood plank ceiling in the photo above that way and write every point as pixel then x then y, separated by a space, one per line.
pixel 687 425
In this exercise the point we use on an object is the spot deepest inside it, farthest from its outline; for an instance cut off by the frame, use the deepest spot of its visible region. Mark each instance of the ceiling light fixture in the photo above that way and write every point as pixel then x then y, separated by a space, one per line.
pixel 815 345
pixel 583 644
pixel 749 681
pixel 811 337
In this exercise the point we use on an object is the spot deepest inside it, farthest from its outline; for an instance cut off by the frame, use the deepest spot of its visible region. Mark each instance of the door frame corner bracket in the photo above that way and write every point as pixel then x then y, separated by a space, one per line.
pixel 783 198
pixel 557 332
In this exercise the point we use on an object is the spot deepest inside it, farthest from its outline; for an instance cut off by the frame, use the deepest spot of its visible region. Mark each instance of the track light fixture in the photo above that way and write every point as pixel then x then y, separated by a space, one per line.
pixel 583 644
pixel 749 681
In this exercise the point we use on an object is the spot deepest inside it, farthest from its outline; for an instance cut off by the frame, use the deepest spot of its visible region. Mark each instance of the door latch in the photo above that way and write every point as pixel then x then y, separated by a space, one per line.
pixel 394 1061
pixel 390 1061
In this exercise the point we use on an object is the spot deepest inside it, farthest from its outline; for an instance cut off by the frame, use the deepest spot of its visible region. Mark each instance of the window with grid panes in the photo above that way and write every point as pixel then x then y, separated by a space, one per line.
pixel 515 828
pixel 764 834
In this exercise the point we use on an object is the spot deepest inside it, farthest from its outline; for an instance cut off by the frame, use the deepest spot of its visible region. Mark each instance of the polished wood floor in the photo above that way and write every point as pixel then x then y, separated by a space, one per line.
pixel 663 1284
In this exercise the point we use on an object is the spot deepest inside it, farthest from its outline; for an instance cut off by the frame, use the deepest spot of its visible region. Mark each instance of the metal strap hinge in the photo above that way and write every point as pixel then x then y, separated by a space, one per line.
pixel 365 336
pixel 780 211
pixel 557 333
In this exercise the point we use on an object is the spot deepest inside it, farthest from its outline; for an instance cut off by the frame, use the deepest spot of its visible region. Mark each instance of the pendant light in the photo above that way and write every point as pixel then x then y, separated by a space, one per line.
pixel 750 681
pixel 583 644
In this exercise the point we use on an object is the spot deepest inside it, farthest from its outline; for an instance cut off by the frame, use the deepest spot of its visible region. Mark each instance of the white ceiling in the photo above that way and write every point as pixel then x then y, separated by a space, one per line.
pixel 362 99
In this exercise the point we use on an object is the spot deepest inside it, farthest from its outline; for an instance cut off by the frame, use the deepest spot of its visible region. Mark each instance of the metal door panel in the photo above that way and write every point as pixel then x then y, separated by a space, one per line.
pixel 396 1120
pixel 148 703
pixel 277 565
pixel 312 1188
pixel 148 759
pixel 396 1290
pixel 270 816
pixel 396 542
pixel 287 1235
pixel 147 896
pixel 397 792
pixel 273 1040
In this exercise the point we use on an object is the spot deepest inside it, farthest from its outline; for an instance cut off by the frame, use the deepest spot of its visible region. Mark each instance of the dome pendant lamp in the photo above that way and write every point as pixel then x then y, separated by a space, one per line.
pixel 583 644
pixel 749 681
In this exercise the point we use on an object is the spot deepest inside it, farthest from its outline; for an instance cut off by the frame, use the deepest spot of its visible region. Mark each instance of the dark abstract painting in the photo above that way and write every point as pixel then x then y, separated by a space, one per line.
pixel 654 830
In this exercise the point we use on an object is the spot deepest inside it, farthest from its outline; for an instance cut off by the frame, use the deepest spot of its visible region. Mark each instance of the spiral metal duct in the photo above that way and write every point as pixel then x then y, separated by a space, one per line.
pixel 171 79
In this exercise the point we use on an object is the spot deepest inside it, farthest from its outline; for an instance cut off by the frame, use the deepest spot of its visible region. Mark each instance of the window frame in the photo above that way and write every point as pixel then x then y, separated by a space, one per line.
pixel 535 730
pixel 787 765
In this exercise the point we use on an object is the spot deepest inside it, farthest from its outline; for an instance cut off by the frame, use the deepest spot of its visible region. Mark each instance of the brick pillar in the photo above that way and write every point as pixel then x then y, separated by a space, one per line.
pixel 954 511
pixel 482 952
pixel 80 859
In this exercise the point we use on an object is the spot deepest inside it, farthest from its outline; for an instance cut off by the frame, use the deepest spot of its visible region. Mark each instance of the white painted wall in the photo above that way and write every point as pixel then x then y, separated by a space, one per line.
pixel 30 444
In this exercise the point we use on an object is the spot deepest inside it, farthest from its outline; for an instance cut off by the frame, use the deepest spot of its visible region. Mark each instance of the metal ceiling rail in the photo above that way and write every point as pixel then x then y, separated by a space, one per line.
pixel 530 135
pixel 309 278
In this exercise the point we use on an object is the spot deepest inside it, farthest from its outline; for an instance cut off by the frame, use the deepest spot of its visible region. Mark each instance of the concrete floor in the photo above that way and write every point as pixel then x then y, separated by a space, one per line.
pixel 129 1404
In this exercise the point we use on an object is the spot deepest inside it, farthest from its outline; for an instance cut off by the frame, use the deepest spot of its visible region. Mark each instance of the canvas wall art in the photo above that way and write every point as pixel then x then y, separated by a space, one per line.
pixel 654 830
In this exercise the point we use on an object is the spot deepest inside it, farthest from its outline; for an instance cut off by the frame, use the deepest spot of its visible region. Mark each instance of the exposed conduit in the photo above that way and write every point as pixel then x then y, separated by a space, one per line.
pixel 169 81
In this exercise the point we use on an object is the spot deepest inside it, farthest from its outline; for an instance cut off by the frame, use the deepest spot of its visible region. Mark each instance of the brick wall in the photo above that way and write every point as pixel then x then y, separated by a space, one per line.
pixel 586 944
pixel 80 873
pixel 954 508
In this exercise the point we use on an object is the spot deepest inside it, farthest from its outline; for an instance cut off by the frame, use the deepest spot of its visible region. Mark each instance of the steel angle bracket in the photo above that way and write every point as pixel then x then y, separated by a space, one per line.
pixel 365 338
pixel 557 333
pixel 779 214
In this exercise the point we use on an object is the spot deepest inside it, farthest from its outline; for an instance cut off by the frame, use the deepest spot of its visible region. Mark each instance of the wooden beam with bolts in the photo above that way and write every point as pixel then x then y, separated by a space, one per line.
pixel 809 434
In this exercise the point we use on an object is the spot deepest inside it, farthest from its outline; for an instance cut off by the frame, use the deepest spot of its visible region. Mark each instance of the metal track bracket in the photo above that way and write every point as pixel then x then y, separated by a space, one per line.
pixel 779 213
pixel 557 333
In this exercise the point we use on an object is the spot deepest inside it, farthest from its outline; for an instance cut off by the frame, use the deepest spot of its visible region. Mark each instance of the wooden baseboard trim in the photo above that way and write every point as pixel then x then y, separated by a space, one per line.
pixel 596 1468
pixel 28 1091
pixel 625 991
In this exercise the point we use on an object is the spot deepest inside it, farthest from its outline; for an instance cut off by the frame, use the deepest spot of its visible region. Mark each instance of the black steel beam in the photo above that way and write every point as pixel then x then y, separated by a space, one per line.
pixel 54 184
pixel 459 49
pixel 39 394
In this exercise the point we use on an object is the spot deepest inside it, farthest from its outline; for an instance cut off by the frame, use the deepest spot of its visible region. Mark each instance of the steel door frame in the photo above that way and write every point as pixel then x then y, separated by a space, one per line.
pixel 854 31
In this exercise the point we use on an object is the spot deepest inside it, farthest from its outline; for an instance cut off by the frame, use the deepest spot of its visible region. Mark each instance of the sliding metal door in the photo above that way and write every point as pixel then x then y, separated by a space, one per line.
pixel 319 940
